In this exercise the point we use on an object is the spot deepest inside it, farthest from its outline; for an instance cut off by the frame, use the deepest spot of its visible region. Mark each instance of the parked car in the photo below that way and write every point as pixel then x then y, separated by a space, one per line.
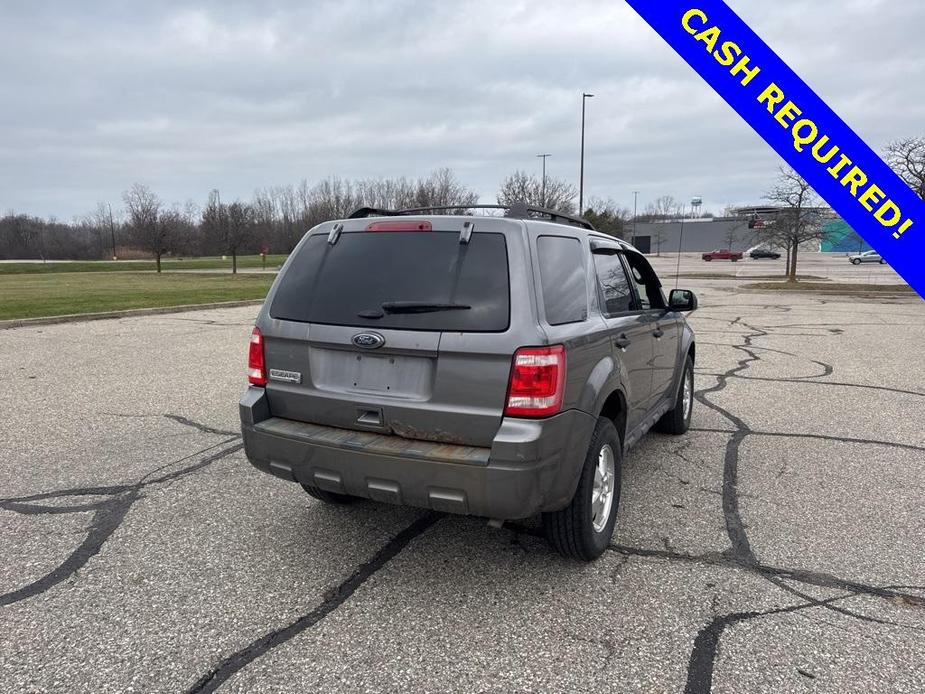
pixel 492 366
pixel 867 257
pixel 759 253
pixel 724 254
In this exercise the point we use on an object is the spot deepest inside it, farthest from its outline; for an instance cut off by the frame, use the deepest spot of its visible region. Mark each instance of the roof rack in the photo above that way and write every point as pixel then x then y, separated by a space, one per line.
pixel 517 210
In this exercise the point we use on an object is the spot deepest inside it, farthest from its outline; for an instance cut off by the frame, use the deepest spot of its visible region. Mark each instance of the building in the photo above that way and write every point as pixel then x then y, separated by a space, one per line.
pixel 739 233
pixel 699 235
pixel 841 238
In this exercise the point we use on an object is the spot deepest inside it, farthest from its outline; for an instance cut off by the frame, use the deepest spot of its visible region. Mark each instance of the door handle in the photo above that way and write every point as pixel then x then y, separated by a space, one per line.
pixel 658 333
pixel 621 341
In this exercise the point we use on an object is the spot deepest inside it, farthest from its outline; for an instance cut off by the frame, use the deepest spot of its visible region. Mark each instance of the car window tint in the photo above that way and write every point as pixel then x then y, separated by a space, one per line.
pixel 641 291
pixel 615 287
pixel 347 283
pixel 648 288
pixel 562 277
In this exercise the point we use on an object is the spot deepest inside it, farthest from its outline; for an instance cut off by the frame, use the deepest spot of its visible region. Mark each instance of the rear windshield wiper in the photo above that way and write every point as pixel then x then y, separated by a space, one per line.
pixel 420 307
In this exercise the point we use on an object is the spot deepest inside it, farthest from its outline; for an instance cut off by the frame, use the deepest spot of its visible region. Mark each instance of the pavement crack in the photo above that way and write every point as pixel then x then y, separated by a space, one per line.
pixel 107 517
pixel 805 380
pixel 179 419
pixel 706 643
pixel 332 600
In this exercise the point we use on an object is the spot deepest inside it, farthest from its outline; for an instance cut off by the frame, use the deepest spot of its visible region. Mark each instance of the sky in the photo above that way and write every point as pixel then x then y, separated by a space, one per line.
pixel 187 97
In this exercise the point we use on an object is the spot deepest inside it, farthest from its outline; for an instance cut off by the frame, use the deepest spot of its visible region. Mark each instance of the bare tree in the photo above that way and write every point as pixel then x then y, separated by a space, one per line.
pixel 661 211
pixel 143 209
pixel 240 229
pixel 331 198
pixel 608 217
pixel 907 158
pixel 521 187
pixel 734 234
pixel 172 227
pixel 798 220
pixel 230 226
pixel 443 189
pixel 440 189
pixel 664 208
pixel 95 226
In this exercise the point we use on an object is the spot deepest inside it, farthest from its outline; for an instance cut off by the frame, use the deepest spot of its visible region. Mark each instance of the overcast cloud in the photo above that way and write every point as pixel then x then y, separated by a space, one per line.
pixel 234 95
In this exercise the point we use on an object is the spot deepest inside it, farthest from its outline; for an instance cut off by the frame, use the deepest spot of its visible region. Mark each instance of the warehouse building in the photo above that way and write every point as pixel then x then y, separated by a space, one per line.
pixel 694 235
pixel 738 233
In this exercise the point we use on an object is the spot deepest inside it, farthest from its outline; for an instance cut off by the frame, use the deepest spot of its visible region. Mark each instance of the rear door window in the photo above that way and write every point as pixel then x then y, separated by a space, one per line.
pixel 615 287
pixel 562 276
pixel 399 280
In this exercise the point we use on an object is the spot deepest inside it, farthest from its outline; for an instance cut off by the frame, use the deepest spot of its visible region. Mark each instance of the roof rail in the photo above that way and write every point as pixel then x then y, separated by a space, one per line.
pixel 362 212
pixel 517 210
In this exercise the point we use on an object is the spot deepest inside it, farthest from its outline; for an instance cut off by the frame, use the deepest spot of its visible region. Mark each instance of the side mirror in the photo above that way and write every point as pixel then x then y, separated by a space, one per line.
pixel 682 300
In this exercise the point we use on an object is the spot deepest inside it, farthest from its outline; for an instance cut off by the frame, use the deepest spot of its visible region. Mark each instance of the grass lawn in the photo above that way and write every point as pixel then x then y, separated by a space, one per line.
pixel 208 263
pixel 726 276
pixel 832 287
pixel 55 294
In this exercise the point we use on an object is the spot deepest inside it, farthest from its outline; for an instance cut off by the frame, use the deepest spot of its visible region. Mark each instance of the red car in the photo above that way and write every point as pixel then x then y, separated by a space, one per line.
pixel 724 254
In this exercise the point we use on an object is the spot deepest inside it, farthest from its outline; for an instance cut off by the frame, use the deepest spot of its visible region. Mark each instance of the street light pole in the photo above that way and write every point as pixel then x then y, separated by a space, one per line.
pixel 543 157
pixel 581 175
pixel 635 201
pixel 677 273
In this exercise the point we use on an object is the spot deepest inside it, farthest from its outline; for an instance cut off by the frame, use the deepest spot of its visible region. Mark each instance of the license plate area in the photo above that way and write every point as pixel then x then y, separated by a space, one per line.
pixel 397 376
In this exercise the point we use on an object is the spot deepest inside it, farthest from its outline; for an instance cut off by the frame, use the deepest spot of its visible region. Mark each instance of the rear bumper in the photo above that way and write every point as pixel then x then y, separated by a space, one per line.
pixel 532 465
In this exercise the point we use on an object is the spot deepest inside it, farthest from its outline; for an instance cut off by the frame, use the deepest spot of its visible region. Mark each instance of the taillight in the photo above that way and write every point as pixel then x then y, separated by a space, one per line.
pixel 400 226
pixel 537 382
pixel 256 367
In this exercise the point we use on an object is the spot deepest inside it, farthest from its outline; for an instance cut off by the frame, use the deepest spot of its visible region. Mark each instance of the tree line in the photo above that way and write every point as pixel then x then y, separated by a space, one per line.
pixel 275 218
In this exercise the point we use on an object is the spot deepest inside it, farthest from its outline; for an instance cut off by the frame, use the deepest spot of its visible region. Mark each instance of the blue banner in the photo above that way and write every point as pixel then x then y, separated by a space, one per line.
pixel 810 137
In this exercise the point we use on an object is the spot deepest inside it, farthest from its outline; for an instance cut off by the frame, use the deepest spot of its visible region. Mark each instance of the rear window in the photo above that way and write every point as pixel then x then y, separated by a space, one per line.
pixel 565 295
pixel 403 271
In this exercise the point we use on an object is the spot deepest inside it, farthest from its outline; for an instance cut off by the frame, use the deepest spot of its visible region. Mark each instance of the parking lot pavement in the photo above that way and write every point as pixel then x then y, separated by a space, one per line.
pixel 775 548
pixel 833 267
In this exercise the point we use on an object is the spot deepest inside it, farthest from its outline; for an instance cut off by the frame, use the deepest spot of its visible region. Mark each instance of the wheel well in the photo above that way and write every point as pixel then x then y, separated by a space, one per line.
pixel 693 352
pixel 614 409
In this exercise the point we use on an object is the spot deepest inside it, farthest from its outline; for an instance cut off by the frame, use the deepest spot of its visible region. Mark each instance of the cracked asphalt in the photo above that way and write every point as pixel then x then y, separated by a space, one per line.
pixel 778 547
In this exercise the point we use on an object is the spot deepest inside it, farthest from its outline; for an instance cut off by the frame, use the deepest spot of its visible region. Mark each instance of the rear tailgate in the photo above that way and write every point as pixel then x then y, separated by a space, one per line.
pixel 430 365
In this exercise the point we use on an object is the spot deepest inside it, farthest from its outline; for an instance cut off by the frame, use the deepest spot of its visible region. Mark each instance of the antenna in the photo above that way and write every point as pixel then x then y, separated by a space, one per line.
pixel 677 272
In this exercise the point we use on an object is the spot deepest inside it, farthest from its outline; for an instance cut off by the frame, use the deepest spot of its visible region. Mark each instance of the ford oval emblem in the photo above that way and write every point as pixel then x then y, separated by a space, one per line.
pixel 368 340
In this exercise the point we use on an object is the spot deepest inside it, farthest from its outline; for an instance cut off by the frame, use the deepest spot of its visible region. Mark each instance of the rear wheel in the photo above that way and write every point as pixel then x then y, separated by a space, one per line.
pixel 678 420
pixel 328 497
pixel 582 530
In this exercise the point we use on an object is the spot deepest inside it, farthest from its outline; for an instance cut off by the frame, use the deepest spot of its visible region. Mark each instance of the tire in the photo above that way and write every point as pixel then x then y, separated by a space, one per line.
pixel 882 261
pixel 676 421
pixel 855 262
pixel 328 497
pixel 735 260
pixel 708 259
pixel 572 531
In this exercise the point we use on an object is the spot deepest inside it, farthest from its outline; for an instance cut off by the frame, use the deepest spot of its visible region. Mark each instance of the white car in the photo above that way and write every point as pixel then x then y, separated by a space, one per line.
pixel 868 257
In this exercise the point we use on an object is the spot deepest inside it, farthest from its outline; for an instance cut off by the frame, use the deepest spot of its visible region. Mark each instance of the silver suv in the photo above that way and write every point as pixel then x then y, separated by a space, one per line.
pixel 484 365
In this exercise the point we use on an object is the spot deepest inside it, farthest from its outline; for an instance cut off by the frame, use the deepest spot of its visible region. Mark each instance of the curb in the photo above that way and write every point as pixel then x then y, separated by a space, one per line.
pixel 128 313
pixel 831 292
